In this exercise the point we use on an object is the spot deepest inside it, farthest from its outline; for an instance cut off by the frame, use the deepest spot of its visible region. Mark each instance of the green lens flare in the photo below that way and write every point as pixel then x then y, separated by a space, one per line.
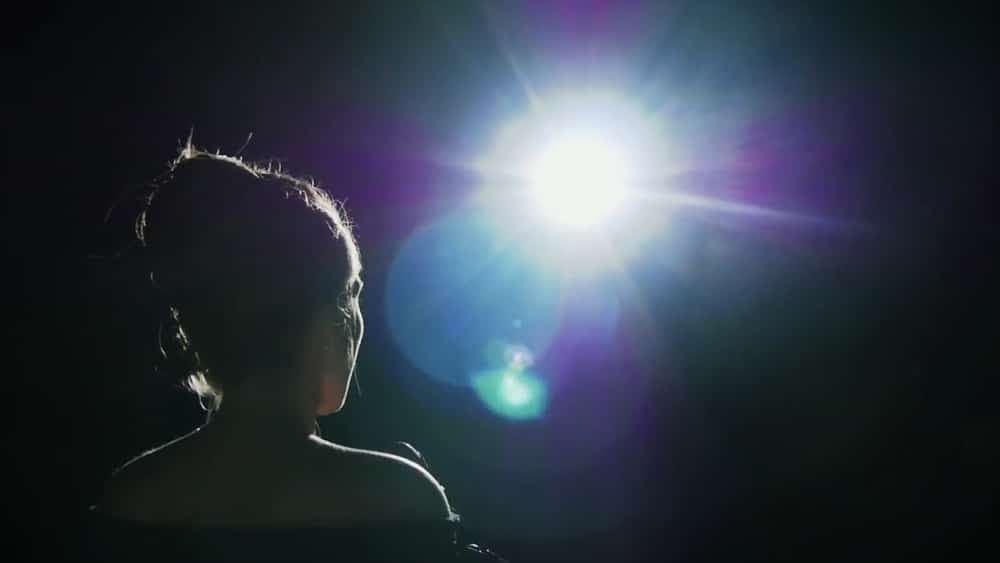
pixel 511 393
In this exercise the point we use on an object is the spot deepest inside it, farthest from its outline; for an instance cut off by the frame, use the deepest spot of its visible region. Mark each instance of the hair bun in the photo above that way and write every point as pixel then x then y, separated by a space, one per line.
pixel 217 229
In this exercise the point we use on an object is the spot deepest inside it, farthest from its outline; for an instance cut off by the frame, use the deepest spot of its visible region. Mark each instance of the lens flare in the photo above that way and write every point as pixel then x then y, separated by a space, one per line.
pixel 457 295
pixel 511 393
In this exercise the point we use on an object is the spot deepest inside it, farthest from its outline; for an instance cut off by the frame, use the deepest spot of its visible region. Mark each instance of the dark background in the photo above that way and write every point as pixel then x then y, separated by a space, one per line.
pixel 841 405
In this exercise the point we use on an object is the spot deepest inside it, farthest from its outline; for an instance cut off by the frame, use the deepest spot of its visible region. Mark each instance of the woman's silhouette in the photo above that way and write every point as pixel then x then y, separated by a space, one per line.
pixel 263 276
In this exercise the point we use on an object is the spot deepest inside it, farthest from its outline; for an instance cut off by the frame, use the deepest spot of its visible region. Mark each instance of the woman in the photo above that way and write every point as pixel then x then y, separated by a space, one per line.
pixel 263 277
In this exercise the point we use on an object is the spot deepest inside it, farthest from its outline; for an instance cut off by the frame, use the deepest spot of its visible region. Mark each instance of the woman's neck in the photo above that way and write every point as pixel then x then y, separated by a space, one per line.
pixel 257 410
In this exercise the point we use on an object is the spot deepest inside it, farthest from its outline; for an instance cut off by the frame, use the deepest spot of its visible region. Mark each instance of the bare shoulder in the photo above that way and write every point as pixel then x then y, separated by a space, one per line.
pixel 132 489
pixel 197 479
pixel 394 487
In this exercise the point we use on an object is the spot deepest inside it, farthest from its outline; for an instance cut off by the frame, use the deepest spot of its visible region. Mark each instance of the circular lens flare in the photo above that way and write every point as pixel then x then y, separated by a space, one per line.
pixel 578 180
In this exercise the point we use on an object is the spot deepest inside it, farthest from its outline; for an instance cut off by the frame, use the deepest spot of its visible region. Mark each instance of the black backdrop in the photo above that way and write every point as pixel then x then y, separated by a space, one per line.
pixel 887 442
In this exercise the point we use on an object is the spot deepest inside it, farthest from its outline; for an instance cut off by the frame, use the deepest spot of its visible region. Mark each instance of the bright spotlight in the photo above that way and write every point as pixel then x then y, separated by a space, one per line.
pixel 567 180
pixel 578 180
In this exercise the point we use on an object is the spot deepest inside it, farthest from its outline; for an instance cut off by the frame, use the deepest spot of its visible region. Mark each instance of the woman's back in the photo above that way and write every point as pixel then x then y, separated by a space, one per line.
pixel 211 478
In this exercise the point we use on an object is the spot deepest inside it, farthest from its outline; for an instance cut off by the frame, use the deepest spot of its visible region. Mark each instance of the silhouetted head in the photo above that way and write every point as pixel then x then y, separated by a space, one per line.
pixel 262 273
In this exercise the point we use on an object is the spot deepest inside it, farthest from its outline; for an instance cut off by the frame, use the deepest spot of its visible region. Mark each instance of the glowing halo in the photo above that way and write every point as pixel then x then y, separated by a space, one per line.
pixel 578 180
